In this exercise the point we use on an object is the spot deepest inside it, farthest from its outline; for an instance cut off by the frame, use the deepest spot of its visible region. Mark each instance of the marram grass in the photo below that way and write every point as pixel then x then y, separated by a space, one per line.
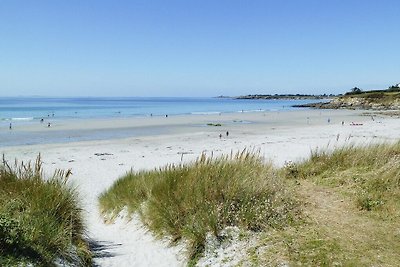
pixel 188 201
pixel 348 216
pixel 40 219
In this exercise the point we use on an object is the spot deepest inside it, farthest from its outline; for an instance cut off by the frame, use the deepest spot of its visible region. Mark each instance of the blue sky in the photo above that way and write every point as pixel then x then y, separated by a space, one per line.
pixel 197 48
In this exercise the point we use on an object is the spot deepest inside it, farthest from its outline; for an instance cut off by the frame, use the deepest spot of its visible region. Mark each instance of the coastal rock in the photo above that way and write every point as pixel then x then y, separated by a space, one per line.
pixel 354 102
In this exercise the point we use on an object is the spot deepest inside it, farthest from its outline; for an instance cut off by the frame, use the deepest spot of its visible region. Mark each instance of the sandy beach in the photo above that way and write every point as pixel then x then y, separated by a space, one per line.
pixel 150 142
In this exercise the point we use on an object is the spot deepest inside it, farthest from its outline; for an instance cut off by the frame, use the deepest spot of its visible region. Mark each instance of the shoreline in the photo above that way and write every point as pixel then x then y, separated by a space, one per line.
pixel 278 136
pixel 78 130
pixel 29 110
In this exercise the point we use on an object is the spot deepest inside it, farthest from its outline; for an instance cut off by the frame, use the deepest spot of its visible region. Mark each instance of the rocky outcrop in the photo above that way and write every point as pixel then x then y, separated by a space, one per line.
pixel 357 103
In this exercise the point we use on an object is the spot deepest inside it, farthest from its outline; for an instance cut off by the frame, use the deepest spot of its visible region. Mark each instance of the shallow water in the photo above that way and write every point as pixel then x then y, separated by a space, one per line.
pixel 25 115
pixel 13 109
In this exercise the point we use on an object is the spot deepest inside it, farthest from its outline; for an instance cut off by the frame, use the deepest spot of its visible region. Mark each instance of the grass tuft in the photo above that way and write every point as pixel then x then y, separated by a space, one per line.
pixel 189 201
pixel 40 219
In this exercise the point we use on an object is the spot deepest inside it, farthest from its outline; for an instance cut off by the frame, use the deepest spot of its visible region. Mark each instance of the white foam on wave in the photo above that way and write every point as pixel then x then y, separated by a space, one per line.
pixel 206 113
pixel 251 110
pixel 22 119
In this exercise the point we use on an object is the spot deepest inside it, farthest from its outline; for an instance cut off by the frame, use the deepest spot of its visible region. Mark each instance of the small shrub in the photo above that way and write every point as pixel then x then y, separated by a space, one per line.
pixel 354 91
pixel 10 234
pixel 290 169
pixel 366 202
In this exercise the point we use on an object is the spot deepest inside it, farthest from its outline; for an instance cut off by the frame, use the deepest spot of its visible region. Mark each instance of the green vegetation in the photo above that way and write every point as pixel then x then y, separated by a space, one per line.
pixel 392 92
pixel 378 95
pixel 354 91
pixel 40 220
pixel 374 99
pixel 214 124
pixel 348 215
pixel 189 201
pixel 351 207
pixel 370 175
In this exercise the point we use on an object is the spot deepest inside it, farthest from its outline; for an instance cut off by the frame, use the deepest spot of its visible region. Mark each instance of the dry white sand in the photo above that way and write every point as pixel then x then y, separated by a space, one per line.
pixel 279 136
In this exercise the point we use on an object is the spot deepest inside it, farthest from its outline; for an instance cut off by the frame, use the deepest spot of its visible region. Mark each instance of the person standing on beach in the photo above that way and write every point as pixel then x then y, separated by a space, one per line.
pixel 10 126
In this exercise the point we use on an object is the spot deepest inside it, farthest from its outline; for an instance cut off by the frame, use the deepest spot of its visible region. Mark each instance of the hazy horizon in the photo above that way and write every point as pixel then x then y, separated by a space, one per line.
pixel 196 49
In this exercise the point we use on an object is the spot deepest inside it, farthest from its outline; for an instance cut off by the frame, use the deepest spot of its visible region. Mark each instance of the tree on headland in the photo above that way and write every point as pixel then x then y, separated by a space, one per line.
pixel 394 88
pixel 354 91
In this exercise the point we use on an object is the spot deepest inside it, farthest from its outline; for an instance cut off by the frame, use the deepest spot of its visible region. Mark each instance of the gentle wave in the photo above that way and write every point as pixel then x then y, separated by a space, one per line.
pixel 206 113
pixel 252 110
pixel 19 119
pixel 26 110
pixel 242 122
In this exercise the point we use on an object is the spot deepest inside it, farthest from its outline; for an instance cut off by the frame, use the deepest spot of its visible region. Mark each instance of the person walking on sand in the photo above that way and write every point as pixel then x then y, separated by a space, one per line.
pixel 10 126
pixel 227 133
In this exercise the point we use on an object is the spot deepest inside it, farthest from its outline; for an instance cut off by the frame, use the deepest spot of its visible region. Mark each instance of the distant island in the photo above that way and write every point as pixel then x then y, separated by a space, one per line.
pixel 285 96
pixel 388 99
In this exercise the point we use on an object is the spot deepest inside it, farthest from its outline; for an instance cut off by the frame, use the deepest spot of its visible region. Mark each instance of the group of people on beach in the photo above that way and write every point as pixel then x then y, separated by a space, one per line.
pixel 41 121
pixel 227 134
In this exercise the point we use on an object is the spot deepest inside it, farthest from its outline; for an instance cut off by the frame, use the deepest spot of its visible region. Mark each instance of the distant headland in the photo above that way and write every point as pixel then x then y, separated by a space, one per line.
pixel 285 96
pixel 356 98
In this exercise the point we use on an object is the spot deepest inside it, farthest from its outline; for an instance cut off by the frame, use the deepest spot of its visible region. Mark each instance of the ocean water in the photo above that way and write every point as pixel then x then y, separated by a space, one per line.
pixel 22 109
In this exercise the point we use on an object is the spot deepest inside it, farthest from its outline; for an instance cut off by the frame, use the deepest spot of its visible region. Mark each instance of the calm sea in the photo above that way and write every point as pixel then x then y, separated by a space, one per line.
pixel 21 109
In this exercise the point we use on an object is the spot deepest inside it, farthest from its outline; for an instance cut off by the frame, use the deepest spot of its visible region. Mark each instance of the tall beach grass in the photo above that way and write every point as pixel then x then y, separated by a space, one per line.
pixel 40 219
pixel 191 200
pixel 347 215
